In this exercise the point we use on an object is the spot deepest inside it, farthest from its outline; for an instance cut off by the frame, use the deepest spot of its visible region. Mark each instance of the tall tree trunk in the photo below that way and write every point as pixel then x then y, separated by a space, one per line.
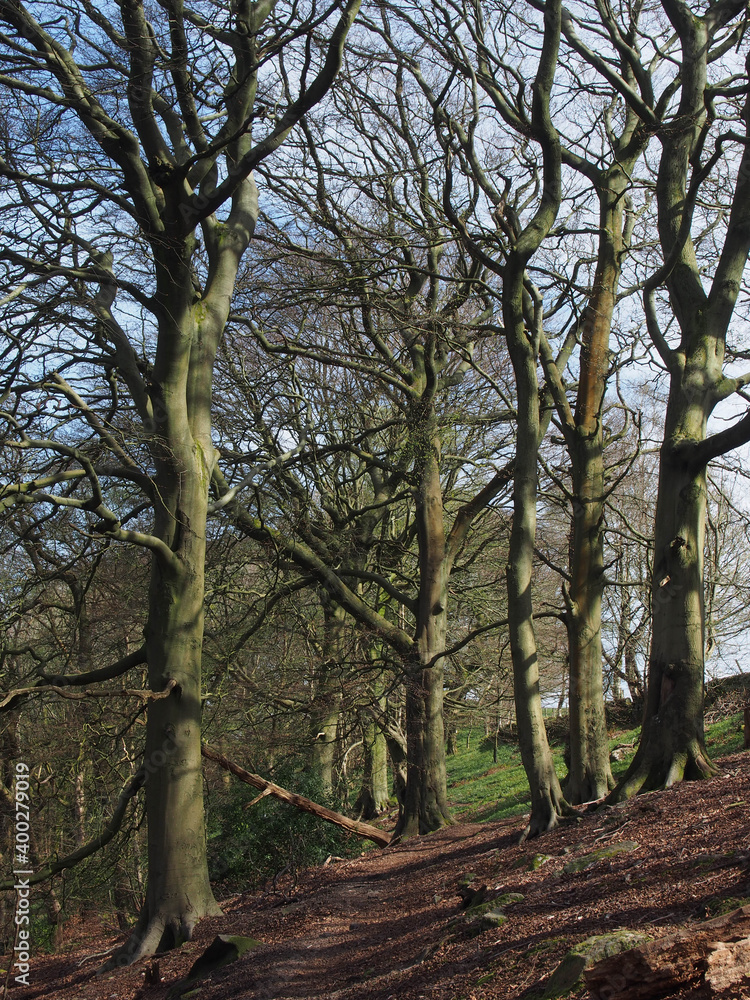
pixel 178 892
pixel 590 776
pixel 546 795
pixel 672 743
pixel 426 801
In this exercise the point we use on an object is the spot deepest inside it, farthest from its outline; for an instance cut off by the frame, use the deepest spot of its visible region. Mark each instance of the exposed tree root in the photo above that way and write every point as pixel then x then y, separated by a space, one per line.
pixel 425 821
pixel 592 789
pixel 547 810
pixel 656 768
pixel 157 933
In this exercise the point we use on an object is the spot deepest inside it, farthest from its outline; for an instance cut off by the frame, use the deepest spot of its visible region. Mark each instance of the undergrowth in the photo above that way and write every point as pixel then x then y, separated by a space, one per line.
pixel 481 789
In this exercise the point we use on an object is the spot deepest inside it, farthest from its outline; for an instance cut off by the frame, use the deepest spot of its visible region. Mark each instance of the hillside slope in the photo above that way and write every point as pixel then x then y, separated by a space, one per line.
pixel 390 923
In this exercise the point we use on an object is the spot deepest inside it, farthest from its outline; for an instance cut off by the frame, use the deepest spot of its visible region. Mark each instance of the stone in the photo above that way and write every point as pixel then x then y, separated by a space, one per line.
pixel 582 956
pixel 224 948
pixel 580 864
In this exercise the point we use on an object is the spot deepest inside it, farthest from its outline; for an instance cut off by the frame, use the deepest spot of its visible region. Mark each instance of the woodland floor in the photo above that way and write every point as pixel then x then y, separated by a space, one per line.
pixel 378 927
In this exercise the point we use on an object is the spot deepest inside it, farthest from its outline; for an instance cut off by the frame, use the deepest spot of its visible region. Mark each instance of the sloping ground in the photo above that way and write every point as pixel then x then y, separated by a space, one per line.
pixel 383 925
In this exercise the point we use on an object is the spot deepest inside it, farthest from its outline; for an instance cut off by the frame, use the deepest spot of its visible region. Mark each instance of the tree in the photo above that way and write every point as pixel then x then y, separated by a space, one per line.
pixel 504 241
pixel 685 119
pixel 390 318
pixel 162 109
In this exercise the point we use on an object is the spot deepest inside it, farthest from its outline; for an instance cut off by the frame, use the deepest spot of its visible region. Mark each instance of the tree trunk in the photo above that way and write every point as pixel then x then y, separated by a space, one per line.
pixel 426 801
pixel 178 892
pixel 590 776
pixel 326 704
pixel 672 743
pixel 546 795
pixel 325 720
pixel 373 797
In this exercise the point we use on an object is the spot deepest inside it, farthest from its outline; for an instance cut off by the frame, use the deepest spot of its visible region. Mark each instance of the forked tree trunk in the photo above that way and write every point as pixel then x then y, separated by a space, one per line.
pixel 524 345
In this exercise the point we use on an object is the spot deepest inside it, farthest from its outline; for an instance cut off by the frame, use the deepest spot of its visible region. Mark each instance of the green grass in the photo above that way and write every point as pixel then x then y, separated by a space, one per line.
pixel 725 736
pixel 480 790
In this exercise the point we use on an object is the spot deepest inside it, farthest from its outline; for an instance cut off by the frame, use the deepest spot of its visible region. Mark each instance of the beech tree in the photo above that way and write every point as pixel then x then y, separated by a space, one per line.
pixel 698 140
pixel 129 138
pixel 503 221
pixel 394 306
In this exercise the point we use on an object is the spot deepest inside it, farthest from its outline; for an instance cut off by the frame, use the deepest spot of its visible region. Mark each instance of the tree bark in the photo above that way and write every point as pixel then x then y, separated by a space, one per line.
pixel 426 802
pixel 178 892
pixel 672 745
pixel 326 705
pixel 706 960
pixel 590 776
pixel 373 796
pixel 547 801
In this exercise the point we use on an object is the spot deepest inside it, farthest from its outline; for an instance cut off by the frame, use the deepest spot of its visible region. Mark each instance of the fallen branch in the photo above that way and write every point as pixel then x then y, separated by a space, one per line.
pixel 380 837
pixel 711 957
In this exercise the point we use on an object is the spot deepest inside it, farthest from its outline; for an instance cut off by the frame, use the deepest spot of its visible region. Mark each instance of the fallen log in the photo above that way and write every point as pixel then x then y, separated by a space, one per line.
pixel 380 837
pixel 707 960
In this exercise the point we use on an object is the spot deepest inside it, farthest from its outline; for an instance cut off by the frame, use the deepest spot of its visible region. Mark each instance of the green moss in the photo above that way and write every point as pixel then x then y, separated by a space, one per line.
pixel 718 907
pixel 493 918
pixel 537 861
pixel 580 864
pixel 566 977
pixel 508 898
